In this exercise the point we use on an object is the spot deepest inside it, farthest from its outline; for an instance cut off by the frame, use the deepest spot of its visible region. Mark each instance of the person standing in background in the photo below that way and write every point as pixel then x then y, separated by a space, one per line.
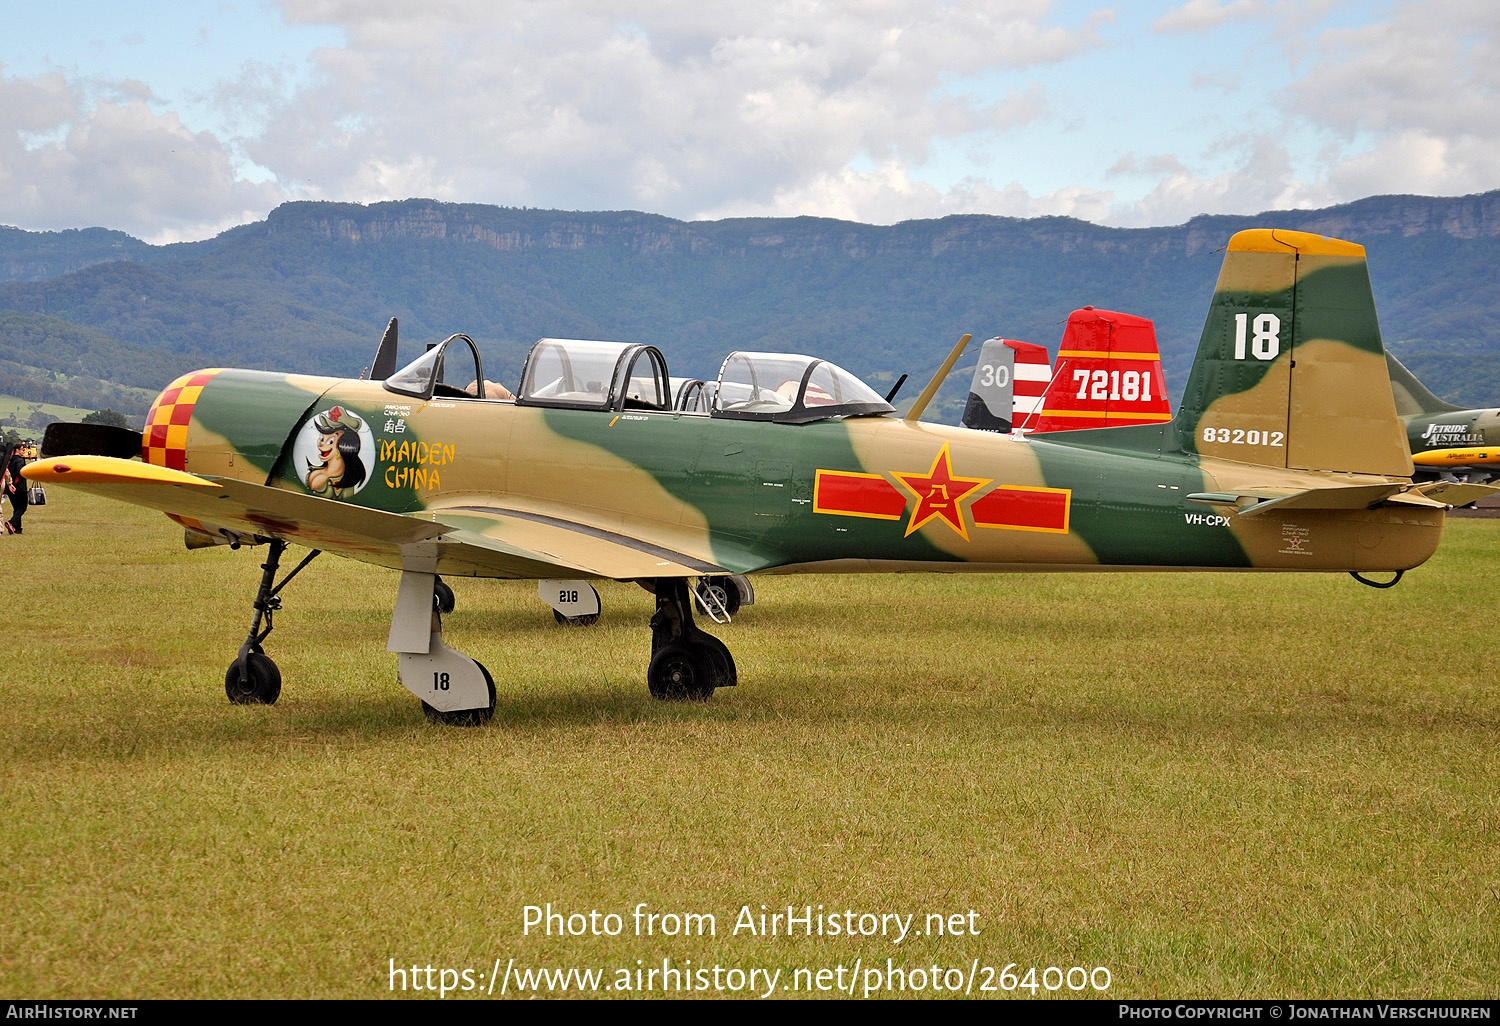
pixel 14 487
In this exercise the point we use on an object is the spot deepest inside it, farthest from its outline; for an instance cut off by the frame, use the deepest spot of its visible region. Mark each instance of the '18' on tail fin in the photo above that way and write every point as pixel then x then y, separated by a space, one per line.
pixel 1291 371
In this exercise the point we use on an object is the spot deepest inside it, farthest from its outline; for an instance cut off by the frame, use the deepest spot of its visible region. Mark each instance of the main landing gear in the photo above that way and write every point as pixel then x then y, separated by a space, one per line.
pixel 719 597
pixel 686 663
pixel 253 679
pixel 442 597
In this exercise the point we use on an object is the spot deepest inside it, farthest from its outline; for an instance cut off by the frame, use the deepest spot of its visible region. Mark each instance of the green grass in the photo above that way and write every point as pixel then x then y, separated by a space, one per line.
pixel 1227 785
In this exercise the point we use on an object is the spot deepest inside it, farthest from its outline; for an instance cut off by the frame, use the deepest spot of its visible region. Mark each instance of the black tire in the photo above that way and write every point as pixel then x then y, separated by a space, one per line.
pixel 722 588
pixel 586 620
pixel 681 673
pixel 262 683
pixel 442 598
pixel 725 675
pixel 465 717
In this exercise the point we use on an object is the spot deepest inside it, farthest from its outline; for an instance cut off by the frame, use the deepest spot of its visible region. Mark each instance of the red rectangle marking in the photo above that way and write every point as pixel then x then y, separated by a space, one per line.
pixel 1024 509
pixel 857 495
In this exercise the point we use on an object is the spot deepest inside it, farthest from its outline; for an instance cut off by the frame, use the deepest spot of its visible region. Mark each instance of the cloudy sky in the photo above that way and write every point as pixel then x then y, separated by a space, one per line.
pixel 175 119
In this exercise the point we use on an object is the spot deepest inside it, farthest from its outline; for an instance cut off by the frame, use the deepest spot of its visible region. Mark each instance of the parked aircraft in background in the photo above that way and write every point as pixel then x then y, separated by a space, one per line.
pixel 1108 374
pixel 1010 381
pixel 796 467
pixel 1446 440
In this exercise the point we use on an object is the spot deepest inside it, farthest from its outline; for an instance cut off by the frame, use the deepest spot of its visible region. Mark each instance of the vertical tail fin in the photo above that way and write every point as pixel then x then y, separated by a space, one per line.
pixel 1008 384
pixel 1291 371
pixel 1413 399
pixel 1108 374
pixel 1033 374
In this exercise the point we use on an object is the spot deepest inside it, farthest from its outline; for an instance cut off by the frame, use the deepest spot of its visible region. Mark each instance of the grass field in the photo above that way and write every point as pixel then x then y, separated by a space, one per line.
pixel 1213 785
pixel 21 409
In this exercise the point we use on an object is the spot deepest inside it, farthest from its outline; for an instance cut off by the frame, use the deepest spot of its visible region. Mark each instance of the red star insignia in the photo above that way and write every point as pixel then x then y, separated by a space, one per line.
pixel 939 493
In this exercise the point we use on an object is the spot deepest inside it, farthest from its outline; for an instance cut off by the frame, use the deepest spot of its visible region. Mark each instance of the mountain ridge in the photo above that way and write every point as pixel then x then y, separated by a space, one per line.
pixel 310 287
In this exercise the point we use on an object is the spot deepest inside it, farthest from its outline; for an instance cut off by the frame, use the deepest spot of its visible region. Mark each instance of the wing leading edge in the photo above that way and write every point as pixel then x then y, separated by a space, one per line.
pixel 473 540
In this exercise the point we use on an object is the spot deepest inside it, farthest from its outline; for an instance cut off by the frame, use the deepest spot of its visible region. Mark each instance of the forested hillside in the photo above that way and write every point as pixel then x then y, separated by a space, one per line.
pixel 311 287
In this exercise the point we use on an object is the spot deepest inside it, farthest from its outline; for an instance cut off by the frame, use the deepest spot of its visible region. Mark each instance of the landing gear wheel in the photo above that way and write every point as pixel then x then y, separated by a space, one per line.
pixel 261 684
pixel 586 620
pixel 680 673
pixel 442 598
pixel 721 588
pixel 719 659
pixel 465 717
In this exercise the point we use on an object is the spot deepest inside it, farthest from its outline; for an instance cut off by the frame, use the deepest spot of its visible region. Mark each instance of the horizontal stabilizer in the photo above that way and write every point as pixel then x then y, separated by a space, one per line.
pixel 1455 493
pixel 1344 497
pixel 1365 496
pixel 63 439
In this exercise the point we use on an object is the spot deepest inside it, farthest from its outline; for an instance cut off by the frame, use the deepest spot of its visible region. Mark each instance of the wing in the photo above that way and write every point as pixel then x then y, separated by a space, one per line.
pixel 587 549
pixel 473 540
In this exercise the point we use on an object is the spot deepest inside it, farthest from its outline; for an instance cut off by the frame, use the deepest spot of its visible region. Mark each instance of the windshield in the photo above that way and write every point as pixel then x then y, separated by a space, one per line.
pixel 791 389
pixel 424 376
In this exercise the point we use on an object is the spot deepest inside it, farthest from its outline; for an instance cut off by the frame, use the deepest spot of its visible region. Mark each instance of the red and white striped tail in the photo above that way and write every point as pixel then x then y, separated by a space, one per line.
pixel 1108 375
pixel 1031 377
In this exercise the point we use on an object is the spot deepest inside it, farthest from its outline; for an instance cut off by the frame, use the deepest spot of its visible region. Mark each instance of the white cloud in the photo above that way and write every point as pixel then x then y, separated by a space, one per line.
pixel 680 109
pixel 1197 15
pixel 870 111
pixel 1261 179
pixel 1411 103
pixel 66 162
pixel 888 195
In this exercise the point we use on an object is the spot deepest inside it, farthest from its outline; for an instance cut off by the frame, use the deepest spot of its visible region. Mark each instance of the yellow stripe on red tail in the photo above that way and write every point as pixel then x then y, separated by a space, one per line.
pixel 1108 374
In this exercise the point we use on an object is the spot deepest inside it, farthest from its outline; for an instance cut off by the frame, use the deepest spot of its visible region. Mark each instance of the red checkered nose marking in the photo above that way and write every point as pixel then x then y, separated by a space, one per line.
pixel 164 442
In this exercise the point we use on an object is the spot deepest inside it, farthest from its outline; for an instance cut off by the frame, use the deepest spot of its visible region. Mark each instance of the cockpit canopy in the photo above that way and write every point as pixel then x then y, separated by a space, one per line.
pixel 581 374
pixel 693 395
pixel 585 375
pixel 791 389
pixel 428 375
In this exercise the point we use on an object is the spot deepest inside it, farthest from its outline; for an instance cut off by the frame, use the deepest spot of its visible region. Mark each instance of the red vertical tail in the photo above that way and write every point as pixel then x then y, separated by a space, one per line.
pixel 1108 375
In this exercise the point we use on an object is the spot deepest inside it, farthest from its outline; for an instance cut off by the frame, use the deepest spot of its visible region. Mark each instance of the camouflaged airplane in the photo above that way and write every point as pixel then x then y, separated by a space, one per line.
pixel 1286 454
pixel 1446 441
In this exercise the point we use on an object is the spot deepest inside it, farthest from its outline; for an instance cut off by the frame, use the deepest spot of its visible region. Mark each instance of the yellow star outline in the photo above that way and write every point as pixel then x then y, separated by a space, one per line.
pixel 939 494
